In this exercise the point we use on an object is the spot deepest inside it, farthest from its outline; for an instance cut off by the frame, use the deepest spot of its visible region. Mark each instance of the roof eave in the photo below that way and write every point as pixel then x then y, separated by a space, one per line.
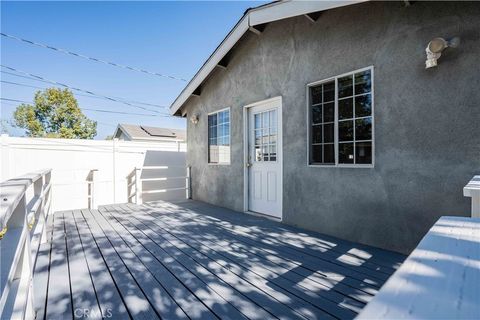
pixel 252 17
pixel 120 128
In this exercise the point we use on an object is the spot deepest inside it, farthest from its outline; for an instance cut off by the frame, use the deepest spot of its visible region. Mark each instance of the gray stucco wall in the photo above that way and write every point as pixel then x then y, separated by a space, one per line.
pixel 427 122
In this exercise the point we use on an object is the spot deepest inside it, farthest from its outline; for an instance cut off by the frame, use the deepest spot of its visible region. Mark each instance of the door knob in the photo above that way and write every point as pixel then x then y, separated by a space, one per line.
pixel 248 164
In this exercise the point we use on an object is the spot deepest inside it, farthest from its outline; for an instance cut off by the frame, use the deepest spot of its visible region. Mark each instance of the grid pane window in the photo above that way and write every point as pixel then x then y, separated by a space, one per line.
pixel 265 131
pixel 343 104
pixel 219 137
pixel 322 122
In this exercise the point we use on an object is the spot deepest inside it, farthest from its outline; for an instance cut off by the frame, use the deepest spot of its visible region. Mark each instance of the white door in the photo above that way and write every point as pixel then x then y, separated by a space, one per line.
pixel 264 158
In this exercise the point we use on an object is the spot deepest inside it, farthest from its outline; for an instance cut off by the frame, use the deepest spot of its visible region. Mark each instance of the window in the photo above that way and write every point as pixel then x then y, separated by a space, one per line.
pixel 265 130
pixel 219 137
pixel 341 120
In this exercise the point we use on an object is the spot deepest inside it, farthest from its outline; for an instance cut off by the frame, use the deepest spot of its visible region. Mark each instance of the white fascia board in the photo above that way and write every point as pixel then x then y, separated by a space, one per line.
pixel 124 131
pixel 273 12
pixel 119 128
pixel 287 9
pixel 211 63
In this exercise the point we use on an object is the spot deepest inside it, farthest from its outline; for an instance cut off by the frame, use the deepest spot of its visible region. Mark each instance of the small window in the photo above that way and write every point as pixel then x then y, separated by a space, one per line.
pixel 341 120
pixel 219 137
pixel 265 131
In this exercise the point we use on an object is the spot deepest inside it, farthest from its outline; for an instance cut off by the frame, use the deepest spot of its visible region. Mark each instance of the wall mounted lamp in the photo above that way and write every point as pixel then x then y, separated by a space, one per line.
pixel 435 48
pixel 194 118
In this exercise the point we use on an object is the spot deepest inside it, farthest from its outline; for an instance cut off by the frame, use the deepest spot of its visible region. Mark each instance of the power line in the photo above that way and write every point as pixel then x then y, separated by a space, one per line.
pixel 13 100
pixel 84 95
pixel 77 89
pixel 64 51
pixel 21 84
pixel 77 94
pixel 97 110
pixel 120 112
pixel 41 79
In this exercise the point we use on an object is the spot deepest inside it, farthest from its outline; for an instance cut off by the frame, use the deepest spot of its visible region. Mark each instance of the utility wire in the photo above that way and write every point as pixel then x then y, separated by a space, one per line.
pixel 77 89
pixel 77 94
pixel 84 95
pixel 64 51
pixel 97 110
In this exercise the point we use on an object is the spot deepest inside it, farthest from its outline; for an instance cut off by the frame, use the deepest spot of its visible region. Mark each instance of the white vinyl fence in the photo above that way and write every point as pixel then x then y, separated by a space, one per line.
pixel 75 162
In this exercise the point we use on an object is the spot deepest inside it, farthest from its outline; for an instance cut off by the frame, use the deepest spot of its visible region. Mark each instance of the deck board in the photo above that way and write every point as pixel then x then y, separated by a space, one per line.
pixel 231 294
pixel 295 236
pixel 242 263
pixel 133 296
pixel 268 294
pixel 167 265
pixel 291 269
pixel 173 290
pixel 109 299
pixel 41 270
pixel 193 260
pixel 82 289
pixel 284 237
pixel 59 295
pixel 348 275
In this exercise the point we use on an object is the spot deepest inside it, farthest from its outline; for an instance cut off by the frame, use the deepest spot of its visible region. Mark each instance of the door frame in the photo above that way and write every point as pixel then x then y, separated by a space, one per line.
pixel 246 151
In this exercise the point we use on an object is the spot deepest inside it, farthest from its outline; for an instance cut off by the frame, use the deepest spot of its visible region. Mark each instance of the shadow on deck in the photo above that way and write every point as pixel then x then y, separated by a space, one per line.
pixel 194 260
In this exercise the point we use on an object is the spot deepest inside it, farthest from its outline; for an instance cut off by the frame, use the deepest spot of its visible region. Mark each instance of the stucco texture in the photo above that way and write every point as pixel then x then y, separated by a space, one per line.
pixel 427 122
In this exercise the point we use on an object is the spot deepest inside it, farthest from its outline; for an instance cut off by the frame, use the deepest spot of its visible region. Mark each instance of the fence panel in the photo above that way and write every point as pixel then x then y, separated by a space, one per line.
pixel 72 161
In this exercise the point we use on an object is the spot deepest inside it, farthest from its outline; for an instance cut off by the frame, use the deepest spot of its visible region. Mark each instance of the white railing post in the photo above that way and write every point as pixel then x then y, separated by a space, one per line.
pixel 23 270
pixel 38 193
pixel 48 193
pixel 94 189
pixel 189 182
pixel 45 204
pixel 472 190
pixel 24 304
pixel 114 169
pixel 92 199
pixel 138 186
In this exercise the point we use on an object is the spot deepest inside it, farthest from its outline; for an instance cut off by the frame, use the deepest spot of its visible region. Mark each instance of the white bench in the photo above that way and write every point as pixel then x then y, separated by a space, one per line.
pixel 439 280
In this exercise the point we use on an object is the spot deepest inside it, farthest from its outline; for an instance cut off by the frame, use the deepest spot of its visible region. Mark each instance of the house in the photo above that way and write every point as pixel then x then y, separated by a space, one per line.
pixel 324 115
pixel 131 132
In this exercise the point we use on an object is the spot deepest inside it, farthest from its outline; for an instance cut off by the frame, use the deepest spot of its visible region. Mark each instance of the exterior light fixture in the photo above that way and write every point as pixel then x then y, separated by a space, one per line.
pixel 194 118
pixel 435 47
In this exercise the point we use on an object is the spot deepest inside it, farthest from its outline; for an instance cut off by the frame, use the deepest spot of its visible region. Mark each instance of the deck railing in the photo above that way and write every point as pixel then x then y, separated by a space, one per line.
pixel 168 175
pixel 91 179
pixel 472 190
pixel 25 205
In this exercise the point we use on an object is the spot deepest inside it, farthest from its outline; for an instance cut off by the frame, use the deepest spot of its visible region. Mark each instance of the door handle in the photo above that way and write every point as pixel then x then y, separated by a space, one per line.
pixel 248 164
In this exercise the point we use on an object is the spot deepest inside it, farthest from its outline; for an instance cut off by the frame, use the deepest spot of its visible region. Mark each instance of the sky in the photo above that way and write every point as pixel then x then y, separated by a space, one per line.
pixel 171 38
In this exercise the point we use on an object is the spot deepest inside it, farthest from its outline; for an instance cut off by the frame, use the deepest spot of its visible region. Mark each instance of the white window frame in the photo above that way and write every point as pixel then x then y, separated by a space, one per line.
pixel 335 140
pixel 229 139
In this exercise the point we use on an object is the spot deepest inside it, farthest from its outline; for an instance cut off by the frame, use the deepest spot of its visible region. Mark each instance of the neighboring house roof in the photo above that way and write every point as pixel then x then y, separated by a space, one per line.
pixel 137 132
pixel 254 19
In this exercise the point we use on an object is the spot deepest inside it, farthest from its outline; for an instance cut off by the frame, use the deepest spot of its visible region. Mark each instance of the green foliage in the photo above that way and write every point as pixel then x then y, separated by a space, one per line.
pixel 55 114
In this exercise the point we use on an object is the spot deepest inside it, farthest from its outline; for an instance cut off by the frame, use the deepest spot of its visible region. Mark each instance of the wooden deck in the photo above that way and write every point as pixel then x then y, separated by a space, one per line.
pixel 193 260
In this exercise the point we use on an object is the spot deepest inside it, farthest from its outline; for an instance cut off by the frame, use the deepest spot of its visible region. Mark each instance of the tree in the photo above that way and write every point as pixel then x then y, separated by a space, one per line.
pixel 55 114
